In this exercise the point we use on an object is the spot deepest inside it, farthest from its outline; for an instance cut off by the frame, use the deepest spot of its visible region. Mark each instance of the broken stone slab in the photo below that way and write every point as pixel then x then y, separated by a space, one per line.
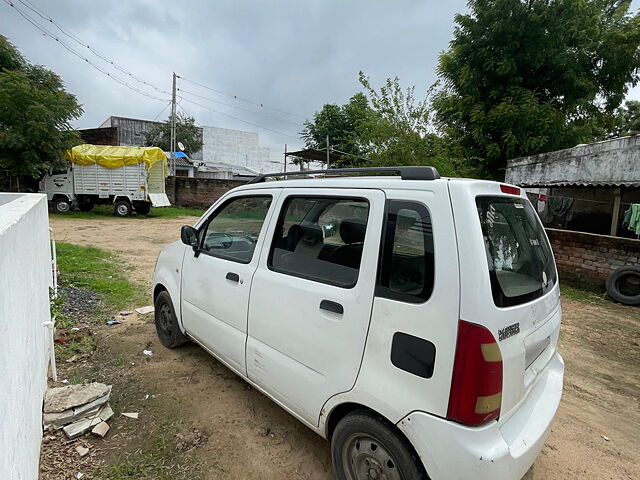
pixel 58 420
pixel 124 314
pixel 78 428
pixel 105 413
pixel 145 310
pixel 82 451
pixel 101 429
pixel 92 405
pixel 57 400
pixel 133 415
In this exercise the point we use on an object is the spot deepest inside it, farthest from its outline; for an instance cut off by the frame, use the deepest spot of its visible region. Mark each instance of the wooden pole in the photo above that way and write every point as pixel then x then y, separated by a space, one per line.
pixel 616 211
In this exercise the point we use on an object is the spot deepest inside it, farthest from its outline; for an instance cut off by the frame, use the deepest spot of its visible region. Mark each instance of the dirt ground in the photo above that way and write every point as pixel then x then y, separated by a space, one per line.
pixel 596 434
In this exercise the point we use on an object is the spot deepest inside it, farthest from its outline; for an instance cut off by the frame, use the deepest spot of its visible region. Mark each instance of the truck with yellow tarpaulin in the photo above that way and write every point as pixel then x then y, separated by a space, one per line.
pixel 129 178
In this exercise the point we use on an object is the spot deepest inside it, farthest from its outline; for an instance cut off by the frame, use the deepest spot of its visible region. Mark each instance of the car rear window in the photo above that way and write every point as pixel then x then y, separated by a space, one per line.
pixel 519 257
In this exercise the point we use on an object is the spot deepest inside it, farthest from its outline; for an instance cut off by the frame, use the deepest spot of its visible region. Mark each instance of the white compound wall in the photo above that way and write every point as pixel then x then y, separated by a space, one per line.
pixel 25 279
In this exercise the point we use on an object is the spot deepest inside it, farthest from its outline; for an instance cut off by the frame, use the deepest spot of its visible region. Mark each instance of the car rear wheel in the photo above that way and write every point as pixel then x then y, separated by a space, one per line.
pixel 167 326
pixel 366 447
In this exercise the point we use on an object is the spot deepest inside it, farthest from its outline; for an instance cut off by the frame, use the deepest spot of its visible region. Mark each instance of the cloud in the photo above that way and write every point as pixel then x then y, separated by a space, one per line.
pixel 292 55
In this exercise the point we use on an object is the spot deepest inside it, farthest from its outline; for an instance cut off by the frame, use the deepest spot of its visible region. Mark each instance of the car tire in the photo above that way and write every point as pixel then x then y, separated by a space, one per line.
pixel 122 208
pixel 143 208
pixel 365 445
pixel 167 326
pixel 61 205
pixel 623 285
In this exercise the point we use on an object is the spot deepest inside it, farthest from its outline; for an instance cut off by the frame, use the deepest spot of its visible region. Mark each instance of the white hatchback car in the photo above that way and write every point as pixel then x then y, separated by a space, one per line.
pixel 412 320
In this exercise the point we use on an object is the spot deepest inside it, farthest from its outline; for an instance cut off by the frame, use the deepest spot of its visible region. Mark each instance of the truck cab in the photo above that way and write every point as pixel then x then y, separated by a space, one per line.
pixel 57 184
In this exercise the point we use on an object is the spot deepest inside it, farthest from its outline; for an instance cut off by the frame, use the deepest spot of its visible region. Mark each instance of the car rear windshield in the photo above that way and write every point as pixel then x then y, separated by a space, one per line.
pixel 520 261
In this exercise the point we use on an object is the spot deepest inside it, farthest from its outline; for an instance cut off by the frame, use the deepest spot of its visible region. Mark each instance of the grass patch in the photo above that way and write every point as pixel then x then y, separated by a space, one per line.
pixel 579 295
pixel 101 271
pixel 161 212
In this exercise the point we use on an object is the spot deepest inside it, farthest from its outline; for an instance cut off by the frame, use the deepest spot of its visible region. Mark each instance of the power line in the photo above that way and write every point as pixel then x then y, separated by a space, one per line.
pixel 238 119
pixel 79 41
pixel 78 54
pixel 236 97
pixel 163 109
pixel 238 108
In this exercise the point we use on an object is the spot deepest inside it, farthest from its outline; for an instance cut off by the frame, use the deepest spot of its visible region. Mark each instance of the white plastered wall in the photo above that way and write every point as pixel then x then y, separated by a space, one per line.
pixel 25 278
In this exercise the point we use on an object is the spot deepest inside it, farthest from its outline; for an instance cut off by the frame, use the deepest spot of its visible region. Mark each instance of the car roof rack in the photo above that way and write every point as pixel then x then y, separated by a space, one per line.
pixel 406 173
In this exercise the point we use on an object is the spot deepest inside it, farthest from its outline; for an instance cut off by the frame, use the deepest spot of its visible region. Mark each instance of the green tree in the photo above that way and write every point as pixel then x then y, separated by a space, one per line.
pixel 187 133
pixel 627 120
pixel 342 124
pixel 35 116
pixel 528 76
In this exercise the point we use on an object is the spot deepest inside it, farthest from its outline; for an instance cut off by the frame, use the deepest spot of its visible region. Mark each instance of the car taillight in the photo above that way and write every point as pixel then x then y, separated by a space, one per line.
pixel 511 190
pixel 476 387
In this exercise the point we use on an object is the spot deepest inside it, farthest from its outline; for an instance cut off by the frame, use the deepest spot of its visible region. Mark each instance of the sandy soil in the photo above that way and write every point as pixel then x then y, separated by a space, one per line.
pixel 251 438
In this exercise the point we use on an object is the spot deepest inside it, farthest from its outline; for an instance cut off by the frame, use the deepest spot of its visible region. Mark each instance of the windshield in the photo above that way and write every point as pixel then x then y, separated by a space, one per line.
pixel 520 261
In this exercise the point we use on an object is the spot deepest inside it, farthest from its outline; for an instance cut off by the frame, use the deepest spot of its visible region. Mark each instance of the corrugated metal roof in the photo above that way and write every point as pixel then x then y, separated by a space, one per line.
pixel 580 184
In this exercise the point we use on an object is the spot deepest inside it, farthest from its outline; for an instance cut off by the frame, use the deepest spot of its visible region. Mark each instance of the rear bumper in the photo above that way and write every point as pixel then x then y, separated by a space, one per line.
pixel 494 452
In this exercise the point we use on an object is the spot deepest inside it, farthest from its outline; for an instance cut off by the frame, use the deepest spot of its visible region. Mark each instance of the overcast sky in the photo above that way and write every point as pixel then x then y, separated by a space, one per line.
pixel 290 55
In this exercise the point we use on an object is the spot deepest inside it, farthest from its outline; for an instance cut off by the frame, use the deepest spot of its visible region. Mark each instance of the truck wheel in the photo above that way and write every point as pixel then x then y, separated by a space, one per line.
pixel 623 285
pixel 86 206
pixel 142 208
pixel 61 205
pixel 123 208
pixel 365 446
pixel 167 326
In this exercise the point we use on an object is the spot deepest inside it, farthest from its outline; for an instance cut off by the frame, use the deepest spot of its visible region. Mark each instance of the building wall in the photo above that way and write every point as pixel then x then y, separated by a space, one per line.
pixel 235 147
pixel 198 192
pixel 611 161
pixel 100 136
pixel 586 259
pixel 25 263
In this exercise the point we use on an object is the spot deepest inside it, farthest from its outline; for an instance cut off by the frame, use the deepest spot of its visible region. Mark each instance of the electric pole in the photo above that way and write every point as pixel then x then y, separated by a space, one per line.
pixel 172 168
pixel 328 161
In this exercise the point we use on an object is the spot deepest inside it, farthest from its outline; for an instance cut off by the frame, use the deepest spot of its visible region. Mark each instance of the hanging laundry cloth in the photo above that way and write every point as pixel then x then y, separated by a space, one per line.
pixel 634 221
pixel 559 212
pixel 627 218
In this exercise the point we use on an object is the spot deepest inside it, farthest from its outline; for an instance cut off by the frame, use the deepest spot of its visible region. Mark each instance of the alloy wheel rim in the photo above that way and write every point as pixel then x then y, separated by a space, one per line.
pixel 366 458
pixel 122 209
pixel 63 207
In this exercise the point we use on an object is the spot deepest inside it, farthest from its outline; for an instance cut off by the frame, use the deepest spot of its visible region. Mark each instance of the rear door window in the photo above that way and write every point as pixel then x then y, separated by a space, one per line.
pixel 519 257
pixel 406 266
pixel 320 239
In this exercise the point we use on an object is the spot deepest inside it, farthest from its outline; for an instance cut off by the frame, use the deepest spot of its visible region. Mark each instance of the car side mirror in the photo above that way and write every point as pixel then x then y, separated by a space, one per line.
pixel 189 236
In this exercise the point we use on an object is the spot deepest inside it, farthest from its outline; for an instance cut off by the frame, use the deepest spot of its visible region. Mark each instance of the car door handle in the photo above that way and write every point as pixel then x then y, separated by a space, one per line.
pixel 234 277
pixel 332 307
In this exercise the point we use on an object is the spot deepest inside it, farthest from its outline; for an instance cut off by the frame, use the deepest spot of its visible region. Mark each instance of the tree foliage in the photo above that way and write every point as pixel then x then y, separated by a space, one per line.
pixel 187 133
pixel 627 120
pixel 343 125
pixel 384 127
pixel 527 76
pixel 35 115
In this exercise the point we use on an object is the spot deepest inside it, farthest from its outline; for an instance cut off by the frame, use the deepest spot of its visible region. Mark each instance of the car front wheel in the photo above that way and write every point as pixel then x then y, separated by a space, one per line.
pixel 364 447
pixel 167 326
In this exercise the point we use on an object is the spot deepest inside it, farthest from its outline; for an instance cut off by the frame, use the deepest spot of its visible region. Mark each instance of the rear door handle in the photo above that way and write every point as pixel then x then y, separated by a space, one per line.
pixel 234 277
pixel 332 307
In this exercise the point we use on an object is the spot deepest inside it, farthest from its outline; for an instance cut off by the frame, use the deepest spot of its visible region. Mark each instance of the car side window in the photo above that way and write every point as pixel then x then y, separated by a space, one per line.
pixel 232 231
pixel 320 239
pixel 406 268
